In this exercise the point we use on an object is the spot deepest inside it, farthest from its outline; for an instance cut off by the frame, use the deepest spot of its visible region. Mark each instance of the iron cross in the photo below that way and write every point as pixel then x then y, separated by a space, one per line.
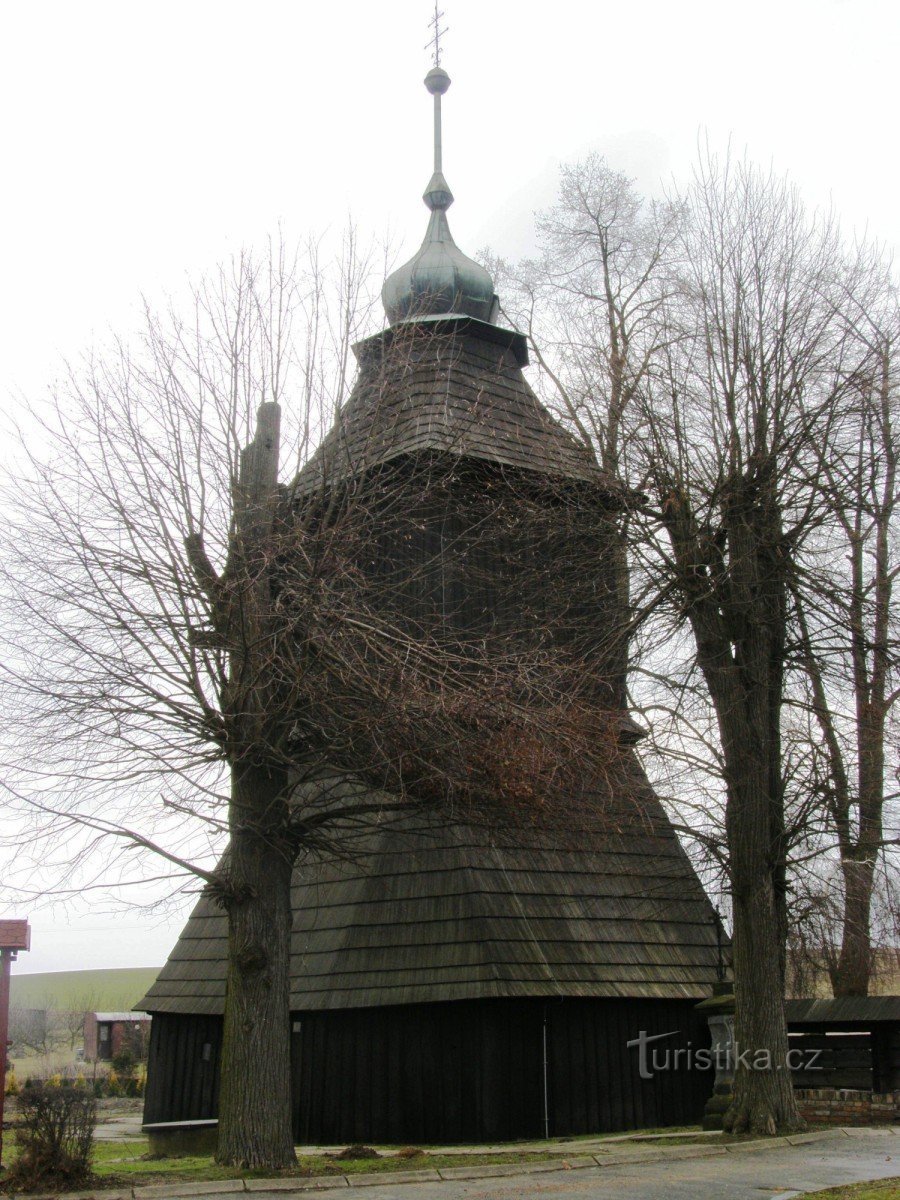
pixel 435 43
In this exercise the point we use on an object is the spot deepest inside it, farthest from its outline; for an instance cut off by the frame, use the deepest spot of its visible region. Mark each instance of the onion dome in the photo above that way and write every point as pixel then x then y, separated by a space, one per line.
pixel 439 280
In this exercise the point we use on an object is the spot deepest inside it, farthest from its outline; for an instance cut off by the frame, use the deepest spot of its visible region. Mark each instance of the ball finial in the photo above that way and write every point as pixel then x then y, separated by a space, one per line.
pixel 437 81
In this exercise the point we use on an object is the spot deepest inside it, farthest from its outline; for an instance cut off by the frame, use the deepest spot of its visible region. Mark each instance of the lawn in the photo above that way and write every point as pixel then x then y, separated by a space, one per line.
pixel 117 1163
pixel 883 1189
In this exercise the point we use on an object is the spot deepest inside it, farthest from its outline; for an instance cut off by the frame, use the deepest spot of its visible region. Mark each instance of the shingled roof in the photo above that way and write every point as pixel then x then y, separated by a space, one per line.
pixel 453 385
pixel 436 910
pixel 843 1009
pixel 446 911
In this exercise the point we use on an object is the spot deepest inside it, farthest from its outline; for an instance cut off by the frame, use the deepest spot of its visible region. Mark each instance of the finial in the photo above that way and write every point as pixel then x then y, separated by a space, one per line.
pixel 435 43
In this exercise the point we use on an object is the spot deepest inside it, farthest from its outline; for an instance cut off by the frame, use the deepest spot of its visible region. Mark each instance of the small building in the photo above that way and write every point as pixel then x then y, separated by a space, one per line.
pixel 106 1034
pixel 849 1043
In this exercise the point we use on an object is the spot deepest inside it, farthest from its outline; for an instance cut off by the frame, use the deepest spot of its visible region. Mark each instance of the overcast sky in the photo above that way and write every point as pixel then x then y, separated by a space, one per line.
pixel 141 141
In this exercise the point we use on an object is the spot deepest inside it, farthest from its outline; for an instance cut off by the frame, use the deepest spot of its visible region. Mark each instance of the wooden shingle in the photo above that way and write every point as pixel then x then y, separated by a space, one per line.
pixel 431 910
pixel 453 387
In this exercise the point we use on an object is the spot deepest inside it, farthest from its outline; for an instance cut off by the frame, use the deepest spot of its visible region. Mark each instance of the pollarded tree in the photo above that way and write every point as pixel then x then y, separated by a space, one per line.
pixel 137 577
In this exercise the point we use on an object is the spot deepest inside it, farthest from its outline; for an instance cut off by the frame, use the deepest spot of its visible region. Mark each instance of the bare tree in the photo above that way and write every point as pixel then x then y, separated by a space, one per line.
pixel 720 359
pixel 29 1029
pixel 842 594
pixel 52 1024
pixel 746 386
pixel 69 1020
pixel 591 306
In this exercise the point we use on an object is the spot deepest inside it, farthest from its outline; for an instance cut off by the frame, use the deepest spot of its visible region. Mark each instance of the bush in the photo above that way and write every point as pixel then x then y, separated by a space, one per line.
pixel 123 1063
pixel 55 1137
pixel 12 1084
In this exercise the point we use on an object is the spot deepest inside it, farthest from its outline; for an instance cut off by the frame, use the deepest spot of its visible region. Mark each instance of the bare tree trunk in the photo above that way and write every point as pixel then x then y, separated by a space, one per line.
pixel 854 964
pixel 254 1115
pixel 855 607
pixel 763 1093
pixel 738 617
pixel 255 1102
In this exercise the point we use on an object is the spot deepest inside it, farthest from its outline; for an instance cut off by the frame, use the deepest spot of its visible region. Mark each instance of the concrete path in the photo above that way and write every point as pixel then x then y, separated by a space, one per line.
pixel 124 1128
pixel 770 1172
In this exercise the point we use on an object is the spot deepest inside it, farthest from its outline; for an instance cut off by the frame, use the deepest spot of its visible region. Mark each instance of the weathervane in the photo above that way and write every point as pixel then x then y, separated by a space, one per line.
pixel 435 43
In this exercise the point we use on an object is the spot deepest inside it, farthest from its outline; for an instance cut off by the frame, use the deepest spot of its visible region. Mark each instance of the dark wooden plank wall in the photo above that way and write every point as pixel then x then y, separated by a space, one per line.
pixel 886 1057
pixel 473 1071
pixel 183 1068
pixel 838 1060
pixel 472 553
pixel 466 1071
pixel 852 1056
pixel 594 1079
pixel 419 1073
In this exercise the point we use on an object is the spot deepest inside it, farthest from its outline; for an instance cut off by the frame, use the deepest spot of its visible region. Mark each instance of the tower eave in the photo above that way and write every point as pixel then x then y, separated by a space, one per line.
pixel 371 348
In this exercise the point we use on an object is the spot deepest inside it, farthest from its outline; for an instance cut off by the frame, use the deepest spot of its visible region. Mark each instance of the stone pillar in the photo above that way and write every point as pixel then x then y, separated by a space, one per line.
pixel 719 1010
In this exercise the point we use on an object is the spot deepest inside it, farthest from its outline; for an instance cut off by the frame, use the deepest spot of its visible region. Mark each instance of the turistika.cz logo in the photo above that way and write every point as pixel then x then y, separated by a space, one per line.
pixel 653 1057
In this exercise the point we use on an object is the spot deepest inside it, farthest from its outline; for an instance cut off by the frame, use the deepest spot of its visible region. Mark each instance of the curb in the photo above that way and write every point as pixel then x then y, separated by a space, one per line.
pixel 213 1189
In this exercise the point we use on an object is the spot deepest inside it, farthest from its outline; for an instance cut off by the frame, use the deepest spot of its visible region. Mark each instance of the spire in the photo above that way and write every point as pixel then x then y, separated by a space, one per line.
pixel 439 280
pixel 437 194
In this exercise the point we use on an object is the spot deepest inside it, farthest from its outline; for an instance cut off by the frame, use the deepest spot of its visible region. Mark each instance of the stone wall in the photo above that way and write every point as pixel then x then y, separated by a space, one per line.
pixel 841 1106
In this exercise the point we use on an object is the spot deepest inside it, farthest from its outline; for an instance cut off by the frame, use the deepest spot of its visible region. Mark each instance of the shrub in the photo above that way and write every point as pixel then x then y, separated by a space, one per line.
pixel 55 1137
pixel 123 1062
pixel 12 1084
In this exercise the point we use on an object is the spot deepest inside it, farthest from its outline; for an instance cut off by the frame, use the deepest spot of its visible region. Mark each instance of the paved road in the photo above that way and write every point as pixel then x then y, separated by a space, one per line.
pixel 755 1174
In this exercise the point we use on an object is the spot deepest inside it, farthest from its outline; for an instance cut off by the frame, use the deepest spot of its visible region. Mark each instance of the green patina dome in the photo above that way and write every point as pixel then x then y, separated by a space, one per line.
pixel 439 280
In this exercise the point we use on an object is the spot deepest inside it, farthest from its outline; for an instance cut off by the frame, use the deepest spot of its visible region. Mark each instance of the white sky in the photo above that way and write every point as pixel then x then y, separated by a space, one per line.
pixel 142 140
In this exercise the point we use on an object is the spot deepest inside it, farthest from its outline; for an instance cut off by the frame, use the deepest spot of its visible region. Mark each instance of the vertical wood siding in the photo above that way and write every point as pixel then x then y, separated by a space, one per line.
pixel 473 1071
pixel 456 1072
pixel 183 1068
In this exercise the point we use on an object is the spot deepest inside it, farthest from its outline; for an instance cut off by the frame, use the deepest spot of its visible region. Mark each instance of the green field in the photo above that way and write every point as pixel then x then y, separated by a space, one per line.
pixel 116 989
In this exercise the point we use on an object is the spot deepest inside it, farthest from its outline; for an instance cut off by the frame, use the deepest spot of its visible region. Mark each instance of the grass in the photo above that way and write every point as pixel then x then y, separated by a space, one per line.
pixel 109 990
pixel 882 1189
pixel 124 1163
